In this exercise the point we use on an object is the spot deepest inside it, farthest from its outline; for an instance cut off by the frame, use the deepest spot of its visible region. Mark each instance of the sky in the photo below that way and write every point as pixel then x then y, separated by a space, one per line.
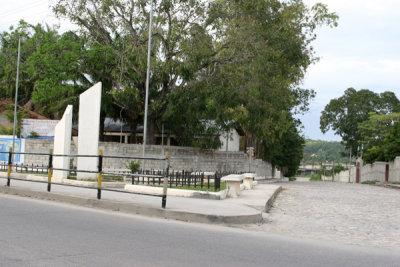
pixel 363 52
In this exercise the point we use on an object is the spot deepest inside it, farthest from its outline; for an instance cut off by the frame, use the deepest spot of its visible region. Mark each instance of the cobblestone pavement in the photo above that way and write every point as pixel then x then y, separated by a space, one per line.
pixel 353 214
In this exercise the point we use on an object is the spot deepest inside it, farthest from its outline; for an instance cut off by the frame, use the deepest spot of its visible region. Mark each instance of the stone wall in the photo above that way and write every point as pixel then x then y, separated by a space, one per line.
pixel 182 158
pixel 371 172
pixel 394 170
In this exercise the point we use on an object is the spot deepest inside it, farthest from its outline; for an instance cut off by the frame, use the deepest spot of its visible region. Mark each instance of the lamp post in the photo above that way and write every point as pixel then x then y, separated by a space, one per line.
pixel 146 106
pixel 16 95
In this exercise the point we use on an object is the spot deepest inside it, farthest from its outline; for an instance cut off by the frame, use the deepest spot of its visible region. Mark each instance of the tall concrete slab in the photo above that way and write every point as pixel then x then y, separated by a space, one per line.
pixel 62 145
pixel 88 131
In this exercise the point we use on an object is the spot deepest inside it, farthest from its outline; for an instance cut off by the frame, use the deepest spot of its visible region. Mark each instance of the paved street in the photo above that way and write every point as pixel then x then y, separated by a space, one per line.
pixel 43 233
pixel 344 213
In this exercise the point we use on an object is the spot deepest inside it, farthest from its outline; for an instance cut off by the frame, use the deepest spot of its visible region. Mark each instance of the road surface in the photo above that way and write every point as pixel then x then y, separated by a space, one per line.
pixel 38 233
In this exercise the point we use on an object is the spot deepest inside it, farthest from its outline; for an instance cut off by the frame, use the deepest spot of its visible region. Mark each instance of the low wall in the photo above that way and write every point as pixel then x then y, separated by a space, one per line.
pixel 394 170
pixel 373 172
pixel 182 158
pixel 342 177
pixel 370 172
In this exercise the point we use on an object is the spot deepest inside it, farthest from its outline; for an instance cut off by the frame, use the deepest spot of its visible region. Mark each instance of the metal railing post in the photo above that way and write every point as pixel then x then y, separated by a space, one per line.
pixel 100 169
pixel 165 187
pixel 10 155
pixel 50 171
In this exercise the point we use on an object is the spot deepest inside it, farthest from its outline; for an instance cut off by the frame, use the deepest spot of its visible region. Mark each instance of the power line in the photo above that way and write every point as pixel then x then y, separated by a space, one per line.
pixel 21 8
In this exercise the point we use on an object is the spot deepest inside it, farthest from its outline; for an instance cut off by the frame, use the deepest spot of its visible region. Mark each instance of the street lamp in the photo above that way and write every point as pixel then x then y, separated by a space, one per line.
pixel 146 106
pixel 16 95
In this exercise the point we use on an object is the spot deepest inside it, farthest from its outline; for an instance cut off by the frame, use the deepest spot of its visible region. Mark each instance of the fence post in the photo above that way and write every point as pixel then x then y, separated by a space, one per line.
pixel 100 169
pixel 50 170
pixel 9 168
pixel 217 181
pixel 165 187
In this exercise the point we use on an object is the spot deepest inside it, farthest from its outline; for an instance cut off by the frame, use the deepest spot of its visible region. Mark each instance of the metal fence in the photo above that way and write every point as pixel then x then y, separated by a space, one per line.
pixel 183 179
pixel 99 171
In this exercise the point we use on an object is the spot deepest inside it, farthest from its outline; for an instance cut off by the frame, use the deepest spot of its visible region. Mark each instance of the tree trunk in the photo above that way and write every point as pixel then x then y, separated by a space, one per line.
pixel 132 129
pixel 101 134
pixel 151 131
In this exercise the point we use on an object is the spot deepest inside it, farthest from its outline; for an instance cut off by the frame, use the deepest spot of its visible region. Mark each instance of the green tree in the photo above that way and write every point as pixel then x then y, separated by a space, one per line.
pixel 374 130
pixel 287 152
pixel 333 151
pixel 9 58
pixel 269 51
pixel 388 149
pixel 344 114
pixel 57 67
pixel 181 48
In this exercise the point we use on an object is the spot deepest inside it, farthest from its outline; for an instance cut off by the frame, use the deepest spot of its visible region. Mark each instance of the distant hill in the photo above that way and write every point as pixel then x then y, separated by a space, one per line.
pixel 324 151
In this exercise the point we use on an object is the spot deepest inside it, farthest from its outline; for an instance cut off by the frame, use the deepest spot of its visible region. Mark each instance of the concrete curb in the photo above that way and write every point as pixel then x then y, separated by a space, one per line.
pixel 271 200
pixel 133 208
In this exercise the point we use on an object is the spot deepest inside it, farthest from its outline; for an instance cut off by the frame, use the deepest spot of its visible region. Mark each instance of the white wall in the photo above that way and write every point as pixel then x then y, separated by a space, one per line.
pixel 370 172
pixel 233 141
pixel 62 144
pixel 88 131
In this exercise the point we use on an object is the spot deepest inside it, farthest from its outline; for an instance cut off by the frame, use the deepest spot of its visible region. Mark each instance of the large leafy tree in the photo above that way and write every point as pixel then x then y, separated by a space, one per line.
pixel 269 51
pixel 386 150
pixel 57 67
pixel 344 114
pixel 181 49
pixel 8 62
pixel 378 136
pixel 374 130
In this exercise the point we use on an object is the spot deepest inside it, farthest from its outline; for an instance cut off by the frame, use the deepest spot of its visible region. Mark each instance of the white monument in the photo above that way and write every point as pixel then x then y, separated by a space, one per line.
pixel 88 131
pixel 62 144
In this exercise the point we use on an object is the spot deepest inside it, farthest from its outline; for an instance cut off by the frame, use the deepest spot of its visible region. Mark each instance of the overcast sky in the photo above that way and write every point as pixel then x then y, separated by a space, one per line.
pixel 363 52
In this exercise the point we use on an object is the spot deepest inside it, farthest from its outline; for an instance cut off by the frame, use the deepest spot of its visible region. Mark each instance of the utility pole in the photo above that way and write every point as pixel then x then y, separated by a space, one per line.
pixel 16 94
pixel 146 106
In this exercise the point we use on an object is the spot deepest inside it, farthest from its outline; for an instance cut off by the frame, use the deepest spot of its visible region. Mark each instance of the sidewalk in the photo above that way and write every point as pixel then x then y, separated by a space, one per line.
pixel 246 209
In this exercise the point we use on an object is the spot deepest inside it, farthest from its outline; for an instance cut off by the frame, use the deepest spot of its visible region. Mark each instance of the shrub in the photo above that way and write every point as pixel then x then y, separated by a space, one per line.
pixel 133 165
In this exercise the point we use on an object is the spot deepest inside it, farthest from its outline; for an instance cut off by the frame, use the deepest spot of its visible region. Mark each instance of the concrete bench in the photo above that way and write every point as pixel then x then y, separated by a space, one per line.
pixel 248 179
pixel 233 182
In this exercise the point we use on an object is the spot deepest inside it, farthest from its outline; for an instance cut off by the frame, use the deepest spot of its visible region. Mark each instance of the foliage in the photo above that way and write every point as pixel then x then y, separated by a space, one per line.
pixel 338 168
pixel 232 63
pixel 317 151
pixel 369 182
pixel 345 113
pixel 335 170
pixel 8 112
pixel 374 130
pixel 133 165
pixel 287 152
pixel 259 88
pixel 237 65
pixel 316 177
pixel 388 149
pixel 8 62
pixel 33 134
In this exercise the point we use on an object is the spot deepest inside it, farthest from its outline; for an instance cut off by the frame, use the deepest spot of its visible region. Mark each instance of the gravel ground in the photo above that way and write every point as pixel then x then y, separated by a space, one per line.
pixel 344 213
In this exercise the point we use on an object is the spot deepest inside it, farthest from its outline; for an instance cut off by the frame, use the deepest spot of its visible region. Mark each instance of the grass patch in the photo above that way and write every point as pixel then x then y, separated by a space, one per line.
pixel 315 178
pixel 105 178
pixel 369 182
pixel 292 179
pixel 198 188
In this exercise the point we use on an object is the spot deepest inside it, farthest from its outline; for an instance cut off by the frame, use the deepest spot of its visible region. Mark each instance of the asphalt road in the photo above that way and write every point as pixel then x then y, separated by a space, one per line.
pixel 38 233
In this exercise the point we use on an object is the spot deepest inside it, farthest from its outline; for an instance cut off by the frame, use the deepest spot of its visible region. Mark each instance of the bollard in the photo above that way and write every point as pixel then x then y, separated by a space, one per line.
pixel 50 170
pixel 100 169
pixel 9 168
pixel 165 187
